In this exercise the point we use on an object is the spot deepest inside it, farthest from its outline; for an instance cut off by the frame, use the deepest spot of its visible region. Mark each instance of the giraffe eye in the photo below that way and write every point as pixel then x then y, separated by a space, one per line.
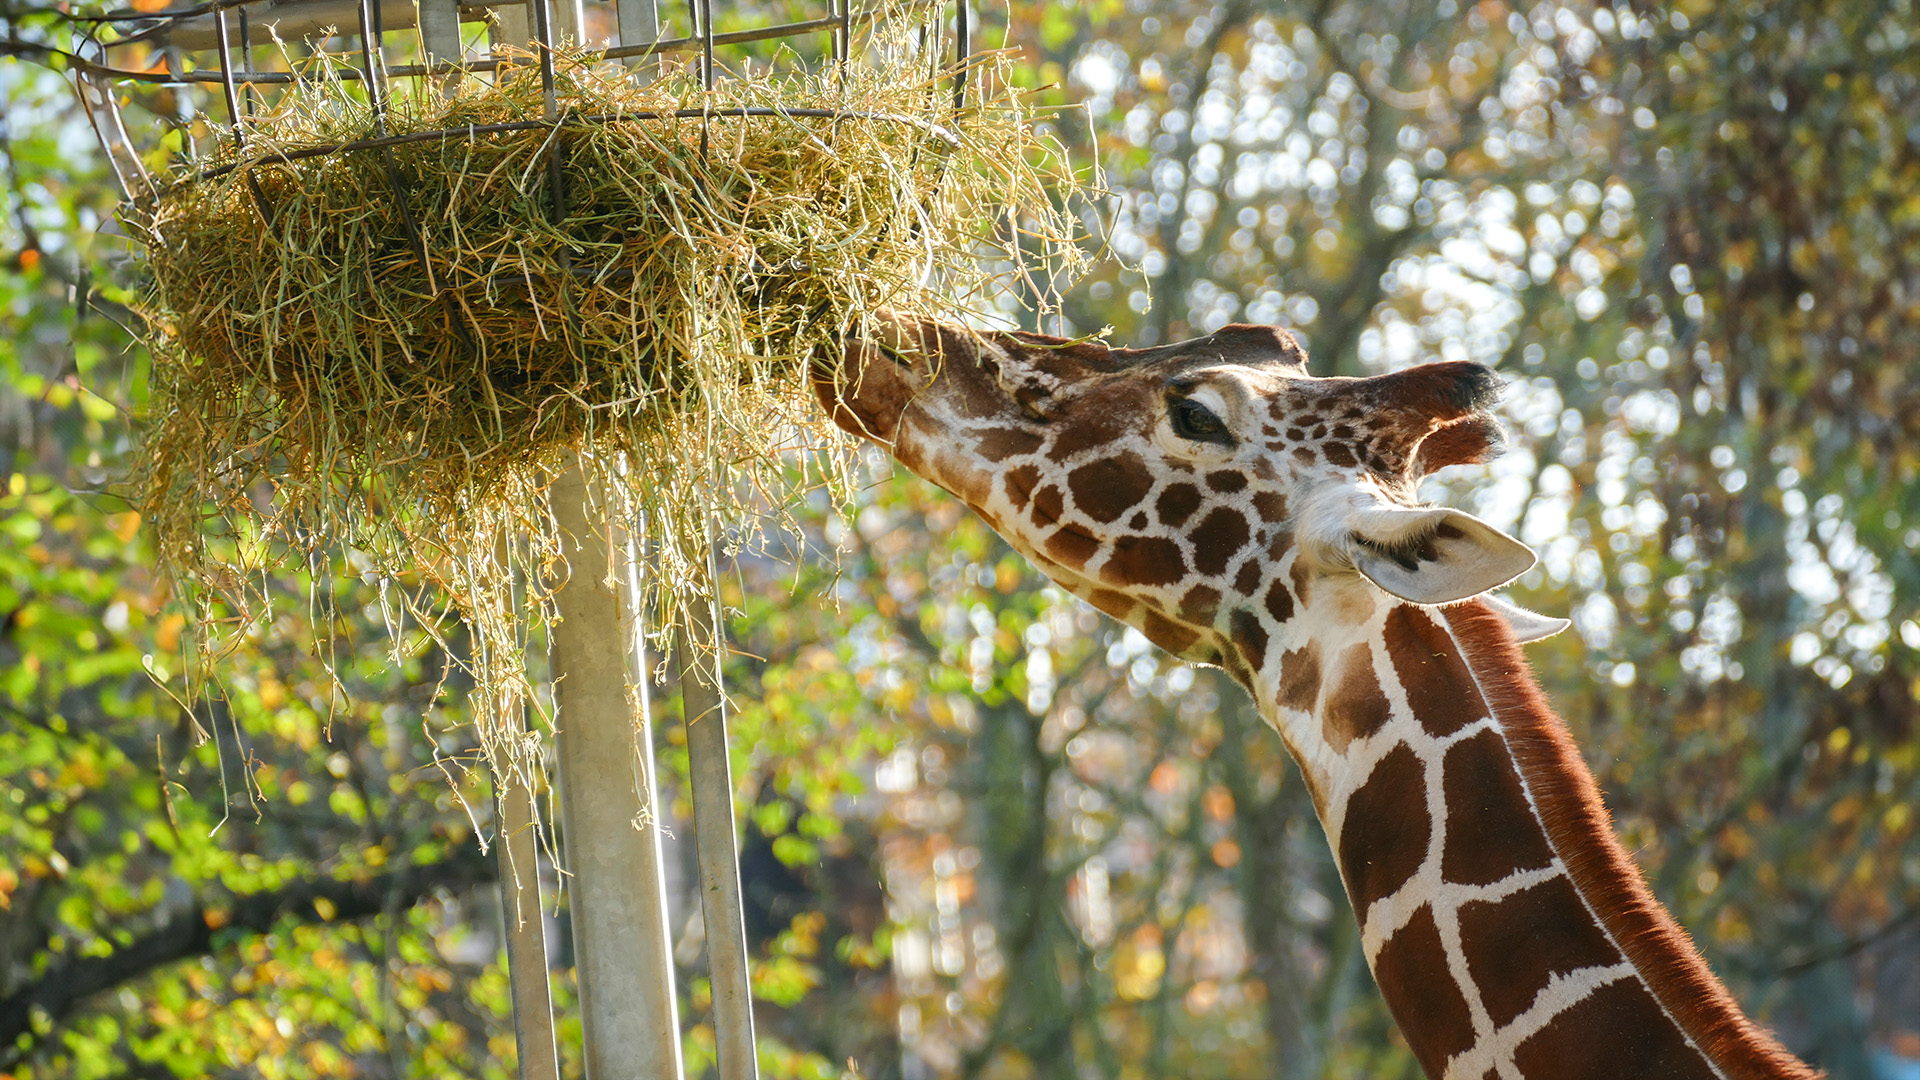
pixel 1194 421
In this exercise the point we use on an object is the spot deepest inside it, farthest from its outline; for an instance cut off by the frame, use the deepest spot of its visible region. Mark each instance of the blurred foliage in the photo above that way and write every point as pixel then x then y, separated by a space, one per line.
pixel 988 833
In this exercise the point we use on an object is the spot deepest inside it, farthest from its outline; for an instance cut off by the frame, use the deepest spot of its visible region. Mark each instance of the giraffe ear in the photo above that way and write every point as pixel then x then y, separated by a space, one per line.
pixel 1527 625
pixel 1434 556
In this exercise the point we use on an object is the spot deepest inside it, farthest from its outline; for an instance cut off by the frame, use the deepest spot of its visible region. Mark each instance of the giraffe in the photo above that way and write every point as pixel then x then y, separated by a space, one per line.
pixel 1240 512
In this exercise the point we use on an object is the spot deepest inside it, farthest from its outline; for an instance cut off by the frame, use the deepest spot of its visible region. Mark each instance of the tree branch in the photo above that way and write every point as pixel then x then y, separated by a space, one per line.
pixel 64 988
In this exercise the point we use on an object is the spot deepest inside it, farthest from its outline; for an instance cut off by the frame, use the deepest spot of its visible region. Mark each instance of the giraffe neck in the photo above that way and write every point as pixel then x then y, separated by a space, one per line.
pixel 1507 928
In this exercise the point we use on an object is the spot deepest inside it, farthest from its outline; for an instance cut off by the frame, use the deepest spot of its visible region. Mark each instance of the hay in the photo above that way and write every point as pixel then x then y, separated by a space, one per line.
pixel 318 383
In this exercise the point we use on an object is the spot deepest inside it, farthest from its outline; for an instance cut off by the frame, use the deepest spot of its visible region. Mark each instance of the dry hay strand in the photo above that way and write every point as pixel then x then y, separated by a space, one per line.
pixel 337 365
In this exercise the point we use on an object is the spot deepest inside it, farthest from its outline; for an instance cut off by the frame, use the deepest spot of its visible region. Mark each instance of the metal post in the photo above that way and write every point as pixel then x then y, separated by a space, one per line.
pixel 639 24
pixel 512 27
pixel 526 933
pixel 704 709
pixel 622 955
pixel 440 38
pixel 569 22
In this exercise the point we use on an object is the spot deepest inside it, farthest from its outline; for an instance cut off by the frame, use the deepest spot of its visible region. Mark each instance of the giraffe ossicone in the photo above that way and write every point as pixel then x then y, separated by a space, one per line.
pixel 1239 511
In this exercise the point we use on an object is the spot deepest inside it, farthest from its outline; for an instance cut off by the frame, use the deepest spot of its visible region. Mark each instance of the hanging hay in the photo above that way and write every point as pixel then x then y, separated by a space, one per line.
pixel 397 348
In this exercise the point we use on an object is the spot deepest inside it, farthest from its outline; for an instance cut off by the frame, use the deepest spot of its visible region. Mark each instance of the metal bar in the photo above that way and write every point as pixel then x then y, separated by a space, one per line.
pixel 933 130
pixel 706 47
pixel 226 84
pixel 233 111
pixel 293 20
pixel 112 137
pixel 376 85
pixel 369 44
pixel 962 50
pixel 526 933
pixel 704 708
pixel 621 948
pixel 621 52
pixel 246 60
pixel 843 34
pixel 543 37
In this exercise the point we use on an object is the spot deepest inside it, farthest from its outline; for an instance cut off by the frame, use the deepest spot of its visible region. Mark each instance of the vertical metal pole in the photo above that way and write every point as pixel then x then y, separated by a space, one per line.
pixel 440 39
pixel 622 954
pixel 639 24
pixel 569 22
pixel 512 27
pixel 526 933
pixel 705 711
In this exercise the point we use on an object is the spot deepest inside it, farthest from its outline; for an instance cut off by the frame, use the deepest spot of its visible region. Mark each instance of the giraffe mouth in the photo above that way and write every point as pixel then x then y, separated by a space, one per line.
pixel 865 397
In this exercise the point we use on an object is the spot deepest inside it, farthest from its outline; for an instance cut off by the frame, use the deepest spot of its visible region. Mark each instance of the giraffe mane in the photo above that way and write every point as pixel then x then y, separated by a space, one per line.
pixel 1580 830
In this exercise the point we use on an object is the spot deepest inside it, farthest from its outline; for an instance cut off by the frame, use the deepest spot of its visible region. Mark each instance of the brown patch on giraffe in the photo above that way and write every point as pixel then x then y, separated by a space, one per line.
pixel 1340 454
pixel 1300 677
pixel 1117 604
pixel 1560 938
pixel 1217 539
pixel 1302 582
pixel 1578 827
pixel 1177 504
pixel 1623 1018
pixel 1069 547
pixel 1251 638
pixel 1167 634
pixel 1144 560
pixel 1200 604
pixel 999 444
pixel 1138 521
pixel 1106 488
pixel 1048 504
pixel 1226 480
pixel 1099 424
pixel 1271 506
pixel 1247 581
pixel 1383 838
pixel 1356 707
pixel 1439 688
pixel 1019 482
pixel 1304 456
pixel 1491 831
pixel 1279 601
pixel 1430 1009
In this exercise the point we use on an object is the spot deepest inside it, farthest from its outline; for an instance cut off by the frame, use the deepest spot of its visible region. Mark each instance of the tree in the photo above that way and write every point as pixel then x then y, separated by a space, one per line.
pixel 1682 234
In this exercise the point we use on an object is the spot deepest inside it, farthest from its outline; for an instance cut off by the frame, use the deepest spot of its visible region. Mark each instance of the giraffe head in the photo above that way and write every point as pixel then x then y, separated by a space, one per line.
pixel 1183 487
